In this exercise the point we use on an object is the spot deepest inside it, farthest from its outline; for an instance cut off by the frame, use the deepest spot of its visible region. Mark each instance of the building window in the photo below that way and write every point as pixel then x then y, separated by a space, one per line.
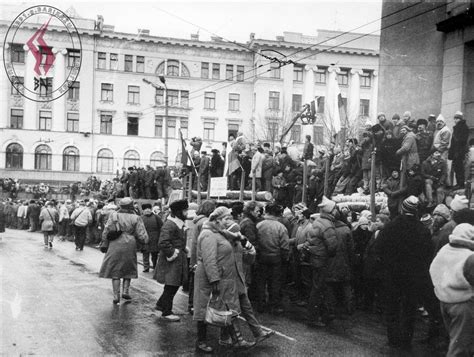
pixel 184 70
pixel 209 100
pixel 107 92
pixel 131 158
pixel 133 94
pixel 105 123
pixel 205 70
pixel 114 62
pixel 47 56
pixel 46 87
pixel 240 73
pixel 17 53
pixel 140 64
pixel 296 133
pixel 45 119
pixel 105 161
pixel 209 129
pixel 14 156
pixel 128 65
pixel 16 118
pixel 273 129
pixel 101 59
pixel 232 129
pixel 318 134
pixel 321 101
pixel 157 158
pixel 365 80
pixel 73 58
pixel 275 71
pixel 364 107
pixel 185 99
pixel 17 85
pixel 172 68
pixel 234 102
pixel 73 122
pixel 173 98
pixel 320 75
pixel 298 74
pixel 171 122
pixel 159 127
pixel 296 102
pixel 159 96
pixel 132 125
pixel 184 127
pixel 73 92
pixel 43 157
pixel 274 101
pixel 229 72
pixel 216 71
pixel 71 159
pixel 343 78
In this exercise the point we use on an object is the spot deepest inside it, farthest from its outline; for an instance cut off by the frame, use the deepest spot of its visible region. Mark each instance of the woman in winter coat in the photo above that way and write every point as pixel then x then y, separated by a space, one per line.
pixel 2 218
pixel 120 260
pixel 216 275
pixel 153 225
pixel 49 219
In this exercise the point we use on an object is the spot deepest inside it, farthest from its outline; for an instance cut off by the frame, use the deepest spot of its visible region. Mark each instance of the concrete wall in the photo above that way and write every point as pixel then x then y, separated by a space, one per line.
pixel 411 60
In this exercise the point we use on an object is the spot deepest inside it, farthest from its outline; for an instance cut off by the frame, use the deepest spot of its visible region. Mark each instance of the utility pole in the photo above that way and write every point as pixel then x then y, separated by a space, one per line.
pixel 165 121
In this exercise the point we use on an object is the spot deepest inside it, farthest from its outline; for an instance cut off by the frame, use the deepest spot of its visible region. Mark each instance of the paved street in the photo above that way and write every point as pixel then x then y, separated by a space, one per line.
pixel 52 302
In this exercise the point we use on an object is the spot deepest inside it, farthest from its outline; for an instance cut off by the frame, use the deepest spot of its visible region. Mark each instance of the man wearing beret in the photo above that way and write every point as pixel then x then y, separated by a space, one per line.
pixel 172 267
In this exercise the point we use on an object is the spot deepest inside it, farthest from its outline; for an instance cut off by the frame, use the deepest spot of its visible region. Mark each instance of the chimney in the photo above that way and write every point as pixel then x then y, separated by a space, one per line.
pixel 195 36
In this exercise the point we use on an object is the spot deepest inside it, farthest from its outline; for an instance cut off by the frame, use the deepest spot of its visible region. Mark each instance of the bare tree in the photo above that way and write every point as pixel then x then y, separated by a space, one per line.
pixel 272 125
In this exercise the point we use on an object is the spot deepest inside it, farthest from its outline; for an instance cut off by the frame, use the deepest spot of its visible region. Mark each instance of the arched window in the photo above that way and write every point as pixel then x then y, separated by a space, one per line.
pixel 131 158
pixel 172 68
pixel 43 157
pixel 14 158
pixel 71 159
pixel 105 161
pixel 157 158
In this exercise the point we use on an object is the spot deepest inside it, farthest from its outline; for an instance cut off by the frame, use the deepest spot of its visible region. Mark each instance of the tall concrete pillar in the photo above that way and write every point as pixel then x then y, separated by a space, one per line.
pixel 30 117
pixel 353 99
pixel 59 105
pixel 308 96
pixel 4 96
pixel 374 100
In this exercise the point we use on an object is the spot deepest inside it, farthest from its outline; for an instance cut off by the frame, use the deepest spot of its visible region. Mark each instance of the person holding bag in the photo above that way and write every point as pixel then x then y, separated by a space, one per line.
pixel 216 277
pixel 122 230
pixel 80 219
pixel 49 218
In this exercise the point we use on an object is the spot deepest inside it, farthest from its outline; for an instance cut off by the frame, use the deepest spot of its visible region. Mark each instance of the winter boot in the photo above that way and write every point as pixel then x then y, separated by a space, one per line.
pixel 126 288
pixel 116 290
pixel 237 337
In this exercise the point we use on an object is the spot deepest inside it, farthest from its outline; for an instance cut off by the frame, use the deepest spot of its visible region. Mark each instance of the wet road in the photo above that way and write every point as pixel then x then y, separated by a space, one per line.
pixel 53 303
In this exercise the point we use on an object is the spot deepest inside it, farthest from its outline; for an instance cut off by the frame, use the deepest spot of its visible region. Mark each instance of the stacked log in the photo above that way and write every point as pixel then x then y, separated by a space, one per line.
pixel 357 202
pixel 262 196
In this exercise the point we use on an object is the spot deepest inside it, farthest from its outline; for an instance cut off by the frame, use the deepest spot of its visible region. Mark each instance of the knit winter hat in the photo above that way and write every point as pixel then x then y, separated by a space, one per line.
pixel 326 205
pixel 426 219
pixel 410 206
pixel 441 118
pixel 463 234
pixel 219 212
pixel 459 115
pixel 299 207
pixel 459 202
pixel 443 211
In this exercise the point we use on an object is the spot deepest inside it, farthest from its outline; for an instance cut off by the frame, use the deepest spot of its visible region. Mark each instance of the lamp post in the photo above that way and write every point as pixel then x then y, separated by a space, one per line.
pixel 165 121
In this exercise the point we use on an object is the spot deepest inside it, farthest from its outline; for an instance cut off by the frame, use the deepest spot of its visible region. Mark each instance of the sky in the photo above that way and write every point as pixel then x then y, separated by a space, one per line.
pixel 234 21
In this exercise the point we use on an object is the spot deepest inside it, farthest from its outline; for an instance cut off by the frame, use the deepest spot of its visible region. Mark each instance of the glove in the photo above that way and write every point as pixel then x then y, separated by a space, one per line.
pixel 103 249
pixel 174 256
pixel 215 288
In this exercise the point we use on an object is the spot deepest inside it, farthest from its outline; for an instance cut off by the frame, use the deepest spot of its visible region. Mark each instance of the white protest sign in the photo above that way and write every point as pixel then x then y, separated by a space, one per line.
pixel 218 186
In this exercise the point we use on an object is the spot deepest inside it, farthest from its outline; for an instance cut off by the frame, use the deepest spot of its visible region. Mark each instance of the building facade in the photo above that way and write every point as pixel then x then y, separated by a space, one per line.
pixel 115 113
pixel 426 59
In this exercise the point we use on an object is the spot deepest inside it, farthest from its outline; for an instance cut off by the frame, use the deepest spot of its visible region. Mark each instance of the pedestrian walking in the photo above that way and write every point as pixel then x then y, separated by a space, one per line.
pixel 153 225
pixel 120 260
pixel 80 219
pixel 49 218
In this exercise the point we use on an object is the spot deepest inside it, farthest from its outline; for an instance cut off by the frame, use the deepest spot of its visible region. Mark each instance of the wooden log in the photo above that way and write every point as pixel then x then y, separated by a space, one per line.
pixel 263 196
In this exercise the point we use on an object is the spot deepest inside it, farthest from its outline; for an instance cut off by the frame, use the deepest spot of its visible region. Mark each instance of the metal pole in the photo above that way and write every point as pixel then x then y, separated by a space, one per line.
pixel 372 183
pixel 305 180
pixel 242 185
pixel 165 124
pixel 198 188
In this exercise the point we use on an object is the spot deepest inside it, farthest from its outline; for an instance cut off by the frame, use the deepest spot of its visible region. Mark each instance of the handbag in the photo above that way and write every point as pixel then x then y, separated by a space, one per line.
pixel 113 235
pixel 55 225
pixel 218 313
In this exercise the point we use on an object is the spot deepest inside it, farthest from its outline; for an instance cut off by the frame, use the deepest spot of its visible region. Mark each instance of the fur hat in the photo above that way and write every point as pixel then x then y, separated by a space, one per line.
pixel 459 202
pixel 146 206
pixel 459 115
pixel 410 206
pixel 220 212
pixel 126 201
pixel 443 211
pixel 327 205
pixel 178 205
pixel 422 122
pixel 463 235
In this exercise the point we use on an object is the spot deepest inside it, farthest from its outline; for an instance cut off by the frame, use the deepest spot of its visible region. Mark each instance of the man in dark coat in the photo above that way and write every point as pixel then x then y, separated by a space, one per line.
pixel 217 164
pixel 390 186
pixel 132 182
pixel 153 225
pixel 204 170
pixel 424 140
pixel 172 266
pixel 308 151
pixel 149 181
pixel 33 213
pixel 458 149
pixel 405 250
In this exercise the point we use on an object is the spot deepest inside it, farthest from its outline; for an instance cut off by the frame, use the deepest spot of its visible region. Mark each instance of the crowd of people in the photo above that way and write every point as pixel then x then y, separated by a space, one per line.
pixel 330 260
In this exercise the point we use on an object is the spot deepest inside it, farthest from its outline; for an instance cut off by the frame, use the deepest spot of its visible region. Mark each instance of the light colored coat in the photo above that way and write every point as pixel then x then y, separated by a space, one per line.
pixel 120 261
pixel 48 218
pixel 257 163
pixel 409 150
pixel 216 263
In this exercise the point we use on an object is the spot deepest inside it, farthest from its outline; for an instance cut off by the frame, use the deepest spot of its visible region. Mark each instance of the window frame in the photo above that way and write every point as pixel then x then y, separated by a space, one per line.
pixel 107 160
pixel 128 63
pixel 74 121
pixel 67 158
pixel 210 100
pixel 43 158
pixel 298 72
pixel 364 78
pixel 240 73
pixel 216 71
pixel 159 126
pixel 229 72
pixel 296 108
pixel 172 68
pixel 46 91
pixel 17 56
pixel 19 80
pixel 140 66
pixel 205 70
pixel 209 127
pixel 364 103
pixel 133 94
pixel 106 120
pixel 275 70
pixel 320 74
pixel 343 77
pixel 73 91
pixel 107 91
pixel 234 103
pixel 14 158
pixel 18 118
pixel 101 60
pixel 272 100
pixel 45 121
pixel 73 60
pixel 133 125
pixel 114 61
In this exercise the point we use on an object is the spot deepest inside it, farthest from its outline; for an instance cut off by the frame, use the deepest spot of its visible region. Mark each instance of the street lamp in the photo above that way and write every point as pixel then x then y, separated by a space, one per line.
pixel 165 121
